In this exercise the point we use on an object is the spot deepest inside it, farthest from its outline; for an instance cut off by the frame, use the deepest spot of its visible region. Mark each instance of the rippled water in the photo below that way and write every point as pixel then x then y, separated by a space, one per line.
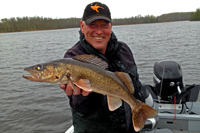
pixel 41 107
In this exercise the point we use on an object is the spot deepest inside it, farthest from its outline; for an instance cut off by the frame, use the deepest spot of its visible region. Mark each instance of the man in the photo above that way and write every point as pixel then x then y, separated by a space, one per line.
pixel 90 111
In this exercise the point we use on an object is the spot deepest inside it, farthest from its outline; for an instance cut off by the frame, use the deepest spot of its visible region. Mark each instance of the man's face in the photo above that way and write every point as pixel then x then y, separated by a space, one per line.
pixel 97 33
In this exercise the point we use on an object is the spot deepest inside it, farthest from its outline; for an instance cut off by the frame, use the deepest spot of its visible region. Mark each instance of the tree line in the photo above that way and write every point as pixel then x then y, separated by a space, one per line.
pixel 41 23
pixel 195 16
pixel 152 19
pixel 36 23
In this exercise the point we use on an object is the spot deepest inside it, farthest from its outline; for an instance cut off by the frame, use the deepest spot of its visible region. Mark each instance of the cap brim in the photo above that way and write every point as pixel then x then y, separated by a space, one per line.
pixel 91 19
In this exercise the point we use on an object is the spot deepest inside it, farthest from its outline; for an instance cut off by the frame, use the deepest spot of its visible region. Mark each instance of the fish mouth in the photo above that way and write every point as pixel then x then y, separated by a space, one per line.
pixel 33 75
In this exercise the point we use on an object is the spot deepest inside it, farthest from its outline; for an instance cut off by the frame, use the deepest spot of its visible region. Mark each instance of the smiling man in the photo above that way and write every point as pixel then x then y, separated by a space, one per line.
pixel 97 33
pixel 90 111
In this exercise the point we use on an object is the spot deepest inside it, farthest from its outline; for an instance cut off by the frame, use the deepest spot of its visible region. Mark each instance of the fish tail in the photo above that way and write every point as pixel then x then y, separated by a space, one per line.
pixel 140 114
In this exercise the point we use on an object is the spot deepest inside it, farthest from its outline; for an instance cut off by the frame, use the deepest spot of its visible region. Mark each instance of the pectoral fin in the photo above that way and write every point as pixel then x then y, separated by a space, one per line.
pixel 68 78
pixel 84 84
pixel 73 87
pixel 113 103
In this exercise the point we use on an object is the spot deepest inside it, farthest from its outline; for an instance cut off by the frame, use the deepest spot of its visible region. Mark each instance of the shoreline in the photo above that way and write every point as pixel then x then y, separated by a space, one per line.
pixel 78 27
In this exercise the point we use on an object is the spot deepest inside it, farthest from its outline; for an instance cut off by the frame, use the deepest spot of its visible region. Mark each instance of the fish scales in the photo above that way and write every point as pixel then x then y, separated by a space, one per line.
pixel 98 77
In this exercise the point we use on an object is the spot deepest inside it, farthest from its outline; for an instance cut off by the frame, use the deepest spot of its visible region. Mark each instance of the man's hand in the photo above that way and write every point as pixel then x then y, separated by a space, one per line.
pixel 69 91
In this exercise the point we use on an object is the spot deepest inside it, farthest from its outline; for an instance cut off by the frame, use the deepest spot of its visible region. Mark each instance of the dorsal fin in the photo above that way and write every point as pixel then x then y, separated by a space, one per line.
pixel 125 78
pixel 92 60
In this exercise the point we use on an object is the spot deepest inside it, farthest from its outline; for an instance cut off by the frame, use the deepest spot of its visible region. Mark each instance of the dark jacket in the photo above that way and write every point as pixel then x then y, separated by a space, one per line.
pixel 91 114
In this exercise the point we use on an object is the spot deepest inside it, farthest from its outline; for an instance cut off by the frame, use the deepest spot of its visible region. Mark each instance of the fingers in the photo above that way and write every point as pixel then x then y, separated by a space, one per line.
pixel 85 93
pixel 62 86
pixel 79 91
pixel 69 91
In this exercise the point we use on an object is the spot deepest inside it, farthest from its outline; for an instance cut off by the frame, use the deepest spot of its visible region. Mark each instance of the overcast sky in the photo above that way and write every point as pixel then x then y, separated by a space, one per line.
pixel 75 8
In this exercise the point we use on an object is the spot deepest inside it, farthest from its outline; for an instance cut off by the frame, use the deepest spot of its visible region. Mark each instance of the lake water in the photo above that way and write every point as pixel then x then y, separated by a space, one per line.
pixel 32 107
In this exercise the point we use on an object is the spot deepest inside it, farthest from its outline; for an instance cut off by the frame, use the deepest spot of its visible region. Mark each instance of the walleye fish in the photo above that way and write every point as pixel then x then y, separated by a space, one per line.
pixel 88 72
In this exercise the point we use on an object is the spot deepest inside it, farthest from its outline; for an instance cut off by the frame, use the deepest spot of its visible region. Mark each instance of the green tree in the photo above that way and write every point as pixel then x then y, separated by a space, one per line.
pixel 195 16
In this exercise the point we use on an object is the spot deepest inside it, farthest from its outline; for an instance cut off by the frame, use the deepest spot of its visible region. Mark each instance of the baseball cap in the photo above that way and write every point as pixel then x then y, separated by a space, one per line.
pixel 96 10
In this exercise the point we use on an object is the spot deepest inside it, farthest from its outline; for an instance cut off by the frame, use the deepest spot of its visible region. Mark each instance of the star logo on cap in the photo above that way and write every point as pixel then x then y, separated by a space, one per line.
pixel 95 7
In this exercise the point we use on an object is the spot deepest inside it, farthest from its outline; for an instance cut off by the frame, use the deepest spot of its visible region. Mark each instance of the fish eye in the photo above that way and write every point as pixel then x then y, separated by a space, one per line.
pixel 39 67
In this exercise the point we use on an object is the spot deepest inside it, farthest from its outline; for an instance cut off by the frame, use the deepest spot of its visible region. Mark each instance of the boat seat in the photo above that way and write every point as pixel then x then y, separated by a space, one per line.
pixel 150 123
pixel 148 94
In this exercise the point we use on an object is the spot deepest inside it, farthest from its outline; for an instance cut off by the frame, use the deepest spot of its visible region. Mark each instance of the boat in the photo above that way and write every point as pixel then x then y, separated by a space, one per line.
pixel 176 103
